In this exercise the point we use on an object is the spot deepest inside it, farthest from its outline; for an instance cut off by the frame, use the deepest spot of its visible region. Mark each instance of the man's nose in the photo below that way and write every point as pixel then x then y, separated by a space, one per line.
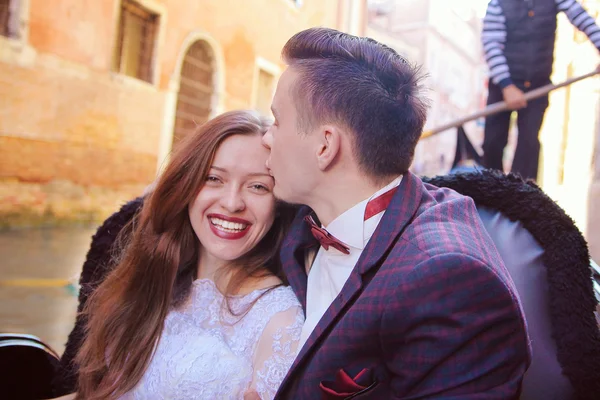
pixel 267 139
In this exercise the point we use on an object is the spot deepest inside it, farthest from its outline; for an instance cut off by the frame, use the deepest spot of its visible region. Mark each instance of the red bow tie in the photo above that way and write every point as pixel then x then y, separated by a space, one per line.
pixel 374 207
pixel 325 238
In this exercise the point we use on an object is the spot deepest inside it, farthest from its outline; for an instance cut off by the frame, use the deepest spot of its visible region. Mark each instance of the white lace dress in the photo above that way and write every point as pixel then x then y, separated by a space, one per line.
pixel 207 353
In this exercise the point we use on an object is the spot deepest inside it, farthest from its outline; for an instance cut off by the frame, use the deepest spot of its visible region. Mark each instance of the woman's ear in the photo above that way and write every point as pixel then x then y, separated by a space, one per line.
pixel 150 188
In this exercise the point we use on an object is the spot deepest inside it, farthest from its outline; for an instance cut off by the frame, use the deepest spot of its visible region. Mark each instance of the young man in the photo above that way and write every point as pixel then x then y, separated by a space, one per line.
pixel 518 40
pixel 406 296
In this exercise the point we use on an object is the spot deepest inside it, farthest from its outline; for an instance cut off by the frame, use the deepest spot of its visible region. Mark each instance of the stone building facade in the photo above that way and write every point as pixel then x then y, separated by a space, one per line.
pixel 93 94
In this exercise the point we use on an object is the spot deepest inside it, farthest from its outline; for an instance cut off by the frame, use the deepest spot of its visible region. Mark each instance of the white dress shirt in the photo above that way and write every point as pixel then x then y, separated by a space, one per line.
pixel 331 268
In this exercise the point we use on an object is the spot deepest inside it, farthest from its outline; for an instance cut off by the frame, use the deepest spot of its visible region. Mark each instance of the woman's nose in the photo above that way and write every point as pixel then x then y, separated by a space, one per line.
pixel 233 201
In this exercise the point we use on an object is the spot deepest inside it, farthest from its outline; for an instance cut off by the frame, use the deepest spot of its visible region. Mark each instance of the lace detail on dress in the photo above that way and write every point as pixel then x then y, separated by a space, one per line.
pixel 284 346
pixel 207 353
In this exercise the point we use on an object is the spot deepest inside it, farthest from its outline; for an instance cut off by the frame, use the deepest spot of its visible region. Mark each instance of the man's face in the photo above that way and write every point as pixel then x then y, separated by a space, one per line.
pixel 292 161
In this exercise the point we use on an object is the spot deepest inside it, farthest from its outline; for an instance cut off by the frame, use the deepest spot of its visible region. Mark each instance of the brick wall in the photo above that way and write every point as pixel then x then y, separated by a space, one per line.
pixel 77 140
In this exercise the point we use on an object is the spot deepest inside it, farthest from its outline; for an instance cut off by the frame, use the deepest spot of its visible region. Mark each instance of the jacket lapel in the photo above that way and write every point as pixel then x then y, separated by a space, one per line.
pixel 298 240
pixel 397 216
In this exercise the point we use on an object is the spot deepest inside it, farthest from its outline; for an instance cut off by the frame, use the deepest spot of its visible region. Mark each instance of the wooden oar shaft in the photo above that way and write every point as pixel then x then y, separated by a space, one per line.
pixel 501 106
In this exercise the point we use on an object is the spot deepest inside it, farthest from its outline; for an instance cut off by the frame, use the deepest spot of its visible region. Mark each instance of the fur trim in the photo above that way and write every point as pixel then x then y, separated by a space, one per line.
pixel 98 263
pixel 566 256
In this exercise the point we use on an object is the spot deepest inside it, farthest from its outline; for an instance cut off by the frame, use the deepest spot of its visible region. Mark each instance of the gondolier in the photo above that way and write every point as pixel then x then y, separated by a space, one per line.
pixel 518 40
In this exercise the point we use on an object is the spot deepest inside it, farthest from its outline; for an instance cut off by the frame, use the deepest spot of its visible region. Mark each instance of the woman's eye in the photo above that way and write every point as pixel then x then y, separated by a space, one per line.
pixel 260 188
pixel 211 178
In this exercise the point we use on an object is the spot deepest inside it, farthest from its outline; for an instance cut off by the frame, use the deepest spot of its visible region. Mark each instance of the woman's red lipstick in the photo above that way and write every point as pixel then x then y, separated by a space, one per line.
pixel 228 234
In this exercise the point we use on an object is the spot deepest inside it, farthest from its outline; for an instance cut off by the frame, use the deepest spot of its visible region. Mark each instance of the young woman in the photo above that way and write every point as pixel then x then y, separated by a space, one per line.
pixel 196 307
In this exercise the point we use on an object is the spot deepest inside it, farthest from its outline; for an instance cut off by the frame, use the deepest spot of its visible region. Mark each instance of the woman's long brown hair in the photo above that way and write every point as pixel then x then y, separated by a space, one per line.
pixel 126 312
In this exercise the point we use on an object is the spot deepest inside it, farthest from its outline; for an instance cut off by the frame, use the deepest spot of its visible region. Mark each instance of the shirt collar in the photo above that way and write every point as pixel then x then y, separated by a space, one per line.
pixel 350 226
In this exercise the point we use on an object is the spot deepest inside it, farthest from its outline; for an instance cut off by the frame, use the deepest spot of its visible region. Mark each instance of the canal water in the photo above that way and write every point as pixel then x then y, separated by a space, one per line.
pixel 39 271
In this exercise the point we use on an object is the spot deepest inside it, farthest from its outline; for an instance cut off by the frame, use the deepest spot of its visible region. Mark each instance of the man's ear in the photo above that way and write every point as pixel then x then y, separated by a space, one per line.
pixel 330 143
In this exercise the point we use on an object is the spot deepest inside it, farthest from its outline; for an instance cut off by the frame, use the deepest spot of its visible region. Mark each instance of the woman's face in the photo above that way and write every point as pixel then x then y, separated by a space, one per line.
pixel 235 208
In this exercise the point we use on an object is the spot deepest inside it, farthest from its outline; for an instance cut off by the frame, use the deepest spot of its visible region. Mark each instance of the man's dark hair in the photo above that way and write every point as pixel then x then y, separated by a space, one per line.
pixel 364 86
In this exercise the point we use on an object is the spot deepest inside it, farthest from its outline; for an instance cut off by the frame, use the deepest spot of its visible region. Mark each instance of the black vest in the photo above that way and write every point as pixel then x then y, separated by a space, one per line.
pixel 530 37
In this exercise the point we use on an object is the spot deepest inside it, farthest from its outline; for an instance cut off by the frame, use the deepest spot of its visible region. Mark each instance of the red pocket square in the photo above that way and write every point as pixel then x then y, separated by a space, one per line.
pixel 344 386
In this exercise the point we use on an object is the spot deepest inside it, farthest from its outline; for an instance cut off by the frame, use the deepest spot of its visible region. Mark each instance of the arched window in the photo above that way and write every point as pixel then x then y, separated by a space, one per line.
pixel 195 98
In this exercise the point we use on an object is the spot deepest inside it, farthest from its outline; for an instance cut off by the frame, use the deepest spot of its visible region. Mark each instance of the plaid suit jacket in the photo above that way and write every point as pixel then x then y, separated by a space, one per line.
pixel 429 310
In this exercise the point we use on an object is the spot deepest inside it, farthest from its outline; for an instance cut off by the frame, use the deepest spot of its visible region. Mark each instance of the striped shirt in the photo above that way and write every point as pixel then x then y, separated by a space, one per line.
pixel 493 36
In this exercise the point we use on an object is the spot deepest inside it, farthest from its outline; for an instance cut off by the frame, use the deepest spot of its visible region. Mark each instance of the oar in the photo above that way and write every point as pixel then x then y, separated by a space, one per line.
pixel 501 106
